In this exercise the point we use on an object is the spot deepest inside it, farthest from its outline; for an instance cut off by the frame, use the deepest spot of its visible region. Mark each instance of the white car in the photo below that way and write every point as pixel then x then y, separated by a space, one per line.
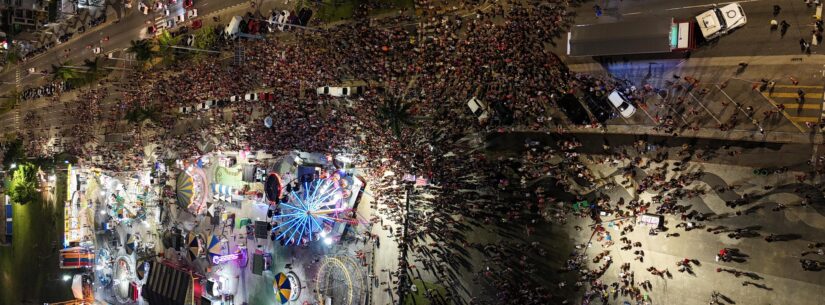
pixel 253 97
pixel 185 110
pixel 478 108
pixel 333 91
pixel 180 18
pixel 235 98
pixel 143 8
pixel 721 20
pixel 282 20
pixel 618 100
pixel 192 13
pixel 96 50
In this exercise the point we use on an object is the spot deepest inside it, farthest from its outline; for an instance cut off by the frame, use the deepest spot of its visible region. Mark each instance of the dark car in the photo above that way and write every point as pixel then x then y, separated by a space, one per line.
pixel 599 107
pixel 574 110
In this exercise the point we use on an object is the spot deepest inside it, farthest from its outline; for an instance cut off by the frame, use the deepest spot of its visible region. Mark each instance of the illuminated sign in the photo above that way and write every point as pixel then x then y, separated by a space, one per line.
pixel 224 258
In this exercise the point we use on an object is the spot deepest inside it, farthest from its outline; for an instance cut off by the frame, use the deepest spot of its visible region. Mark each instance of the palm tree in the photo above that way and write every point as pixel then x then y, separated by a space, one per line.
pixel 64 73
pixel 142 49
pixel 165 44
pixel 94 69
pixel 396 115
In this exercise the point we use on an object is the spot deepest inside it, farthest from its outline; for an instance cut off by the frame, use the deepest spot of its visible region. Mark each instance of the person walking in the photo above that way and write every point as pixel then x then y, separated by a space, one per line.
pixel 783 28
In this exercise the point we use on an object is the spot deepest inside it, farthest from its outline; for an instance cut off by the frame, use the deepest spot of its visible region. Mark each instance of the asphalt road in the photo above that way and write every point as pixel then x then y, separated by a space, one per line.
pixel 753 39
pixel 132 26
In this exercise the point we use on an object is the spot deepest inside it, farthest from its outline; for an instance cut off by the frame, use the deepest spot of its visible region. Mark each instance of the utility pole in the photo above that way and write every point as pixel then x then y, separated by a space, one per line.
pixel 403 286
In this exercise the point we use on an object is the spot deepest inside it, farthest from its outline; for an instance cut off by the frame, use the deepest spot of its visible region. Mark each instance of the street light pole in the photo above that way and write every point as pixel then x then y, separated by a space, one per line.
pixel 196 49
pixel 402 276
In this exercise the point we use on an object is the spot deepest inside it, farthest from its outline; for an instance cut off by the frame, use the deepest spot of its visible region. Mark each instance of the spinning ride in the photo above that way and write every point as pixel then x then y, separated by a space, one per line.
pixel 311 212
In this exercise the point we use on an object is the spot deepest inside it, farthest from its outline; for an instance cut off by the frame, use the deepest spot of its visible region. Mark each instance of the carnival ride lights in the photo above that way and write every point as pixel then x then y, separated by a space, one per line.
pixel 318 205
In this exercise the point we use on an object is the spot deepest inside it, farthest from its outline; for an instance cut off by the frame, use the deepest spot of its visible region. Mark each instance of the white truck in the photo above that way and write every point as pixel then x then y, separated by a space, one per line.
pixel 233 28
pixel 721 20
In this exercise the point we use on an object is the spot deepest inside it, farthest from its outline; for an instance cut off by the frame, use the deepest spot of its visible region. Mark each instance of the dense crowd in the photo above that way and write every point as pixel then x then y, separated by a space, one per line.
pixel 492 51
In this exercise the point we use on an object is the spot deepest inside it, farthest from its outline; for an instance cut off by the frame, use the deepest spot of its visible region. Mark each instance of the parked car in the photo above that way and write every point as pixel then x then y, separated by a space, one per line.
pixel 251 97
pixel 479 109
pixel 282 20
pixel 573 109
pixel 618 100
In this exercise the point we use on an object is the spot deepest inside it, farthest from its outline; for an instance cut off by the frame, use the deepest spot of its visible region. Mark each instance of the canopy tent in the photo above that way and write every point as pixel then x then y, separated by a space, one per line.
pixel 222 192
pixel 214 248
pixel 77 286
pixel 195 246
pixel 282 287
pixel 131 243
pixel 184 188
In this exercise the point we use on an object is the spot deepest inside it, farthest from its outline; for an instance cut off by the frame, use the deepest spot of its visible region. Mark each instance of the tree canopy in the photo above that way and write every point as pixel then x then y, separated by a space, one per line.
pixel 142 49
pixel 396 115
pixel 23 187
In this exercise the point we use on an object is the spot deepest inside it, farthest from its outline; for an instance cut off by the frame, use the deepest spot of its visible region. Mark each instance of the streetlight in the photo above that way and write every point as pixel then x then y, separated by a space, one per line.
pixel 14 165
pixel 66 277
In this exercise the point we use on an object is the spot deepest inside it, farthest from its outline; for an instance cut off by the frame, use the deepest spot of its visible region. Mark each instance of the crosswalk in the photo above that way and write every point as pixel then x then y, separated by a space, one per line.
pixel 160 22
pixel 809 110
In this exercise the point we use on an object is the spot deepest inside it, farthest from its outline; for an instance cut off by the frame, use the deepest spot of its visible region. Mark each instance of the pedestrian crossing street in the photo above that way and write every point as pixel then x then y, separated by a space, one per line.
pixel 809 111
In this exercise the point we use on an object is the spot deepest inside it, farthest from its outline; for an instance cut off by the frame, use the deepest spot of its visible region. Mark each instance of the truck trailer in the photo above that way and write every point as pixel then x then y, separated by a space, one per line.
pixel 637 36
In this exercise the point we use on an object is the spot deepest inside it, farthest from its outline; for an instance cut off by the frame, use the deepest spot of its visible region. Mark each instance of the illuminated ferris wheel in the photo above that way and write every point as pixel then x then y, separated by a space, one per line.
pixel 311 212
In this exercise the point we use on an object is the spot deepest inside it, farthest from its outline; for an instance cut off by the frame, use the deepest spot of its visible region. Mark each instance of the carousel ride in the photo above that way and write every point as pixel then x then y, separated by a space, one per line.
pixel 191 190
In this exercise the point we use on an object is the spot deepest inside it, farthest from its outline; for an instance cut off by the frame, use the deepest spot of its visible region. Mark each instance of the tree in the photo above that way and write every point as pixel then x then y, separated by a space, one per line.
pixel 205 38
pixel 94 69
pixel 396 115
pixel 64 73
pixel 140 114
pixel 23 187
pixel 165 44
pixel 142 49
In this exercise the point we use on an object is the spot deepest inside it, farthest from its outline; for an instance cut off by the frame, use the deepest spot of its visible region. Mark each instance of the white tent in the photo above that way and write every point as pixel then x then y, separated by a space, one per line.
pixel 77 286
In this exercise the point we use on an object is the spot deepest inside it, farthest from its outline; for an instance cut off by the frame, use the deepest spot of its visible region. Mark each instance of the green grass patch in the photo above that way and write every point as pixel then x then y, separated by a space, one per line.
pixel 398 5
pixel 336 10
pixel 29 269
pixel 420 298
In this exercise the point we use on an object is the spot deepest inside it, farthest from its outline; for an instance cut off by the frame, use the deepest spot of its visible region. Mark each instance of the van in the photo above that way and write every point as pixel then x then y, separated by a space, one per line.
pixel 719 21
pixel 233 28
pixel 479 109
pixel 622 104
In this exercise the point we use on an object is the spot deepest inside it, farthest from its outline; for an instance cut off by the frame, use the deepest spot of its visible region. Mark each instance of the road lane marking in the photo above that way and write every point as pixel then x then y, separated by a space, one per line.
pixel 798 86
pixel 803 106
pixel 709 5
pixel 811 119
pixel 795 95
pixel 784 113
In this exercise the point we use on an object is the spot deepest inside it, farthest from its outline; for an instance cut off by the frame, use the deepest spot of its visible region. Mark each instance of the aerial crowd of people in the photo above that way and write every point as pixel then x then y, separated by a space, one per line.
pixel 418 75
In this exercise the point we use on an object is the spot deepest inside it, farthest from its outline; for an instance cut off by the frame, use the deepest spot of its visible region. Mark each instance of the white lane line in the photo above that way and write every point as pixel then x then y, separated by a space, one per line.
pixel 709 5
pixel 633 13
